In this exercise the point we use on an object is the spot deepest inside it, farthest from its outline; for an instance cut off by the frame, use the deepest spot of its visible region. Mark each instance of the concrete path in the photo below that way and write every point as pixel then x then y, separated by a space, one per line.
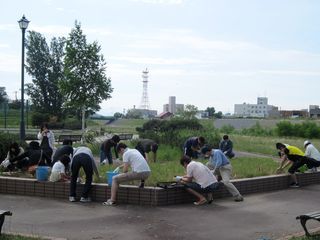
pixel 270 215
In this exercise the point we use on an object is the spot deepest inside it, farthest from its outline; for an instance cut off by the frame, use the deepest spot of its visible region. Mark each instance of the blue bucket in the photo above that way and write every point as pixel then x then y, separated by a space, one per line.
pixel 42 173
pixel 110 176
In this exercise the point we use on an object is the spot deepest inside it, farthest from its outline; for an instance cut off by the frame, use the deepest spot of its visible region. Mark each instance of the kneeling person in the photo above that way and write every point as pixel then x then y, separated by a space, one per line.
pixel 139 166
pixel 58 172
pixel 204 180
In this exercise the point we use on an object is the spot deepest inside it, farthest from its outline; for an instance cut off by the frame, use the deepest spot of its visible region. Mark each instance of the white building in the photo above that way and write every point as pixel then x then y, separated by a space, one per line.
pixel 261 109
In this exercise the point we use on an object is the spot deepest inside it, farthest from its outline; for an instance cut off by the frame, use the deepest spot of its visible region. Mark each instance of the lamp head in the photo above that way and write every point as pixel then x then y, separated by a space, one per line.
pixel 23 23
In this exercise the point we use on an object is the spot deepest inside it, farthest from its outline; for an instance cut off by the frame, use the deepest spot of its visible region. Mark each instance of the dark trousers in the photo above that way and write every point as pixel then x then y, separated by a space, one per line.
pixel 81 160
pixel 310 162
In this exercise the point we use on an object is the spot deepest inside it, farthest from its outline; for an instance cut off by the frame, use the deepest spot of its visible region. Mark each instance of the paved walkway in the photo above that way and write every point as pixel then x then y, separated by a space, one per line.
pixel 270 215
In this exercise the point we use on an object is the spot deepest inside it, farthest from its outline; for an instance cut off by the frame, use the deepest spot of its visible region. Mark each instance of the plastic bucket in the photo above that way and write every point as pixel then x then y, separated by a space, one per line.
pixel 110 176
pixel 42 173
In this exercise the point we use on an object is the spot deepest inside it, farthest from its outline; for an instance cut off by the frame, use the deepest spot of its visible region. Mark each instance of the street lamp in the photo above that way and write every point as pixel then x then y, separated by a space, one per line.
pixel 23 24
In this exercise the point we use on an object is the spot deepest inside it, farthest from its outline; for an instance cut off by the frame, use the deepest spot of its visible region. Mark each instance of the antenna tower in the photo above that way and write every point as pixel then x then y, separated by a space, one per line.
pixel 145 99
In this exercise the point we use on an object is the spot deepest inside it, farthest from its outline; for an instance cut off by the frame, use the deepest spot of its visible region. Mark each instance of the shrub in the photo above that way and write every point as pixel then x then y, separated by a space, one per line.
pixel 305 130
pixel 175 132
pixel 72 123
pixel 38 118
pixel 227 129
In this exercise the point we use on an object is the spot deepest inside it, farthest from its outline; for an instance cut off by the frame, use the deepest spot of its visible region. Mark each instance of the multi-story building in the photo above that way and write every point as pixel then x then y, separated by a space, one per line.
pixel 173 107
pixel 260 109
pixel 314 111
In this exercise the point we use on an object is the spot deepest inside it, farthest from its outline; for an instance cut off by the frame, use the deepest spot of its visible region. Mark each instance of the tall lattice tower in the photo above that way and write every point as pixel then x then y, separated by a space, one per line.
pixel 145 99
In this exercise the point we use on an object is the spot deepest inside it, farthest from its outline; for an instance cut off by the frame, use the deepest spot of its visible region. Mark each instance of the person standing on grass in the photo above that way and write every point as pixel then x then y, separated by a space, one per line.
pixel 139 166
pixel 294 156
pixel 82 158
pixel 144 146
pixel 198 180
pixel 222 168
pixel 105 149
pixel 192 146
pixel 226 146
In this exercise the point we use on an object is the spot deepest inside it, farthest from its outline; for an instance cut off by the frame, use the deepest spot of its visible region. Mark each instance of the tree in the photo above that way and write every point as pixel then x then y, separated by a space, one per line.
pixel 210 111
pixel 45 65
pixel 134 114
pixel 3 95
pixel 118 115
pixel 85 85
pixel 189 112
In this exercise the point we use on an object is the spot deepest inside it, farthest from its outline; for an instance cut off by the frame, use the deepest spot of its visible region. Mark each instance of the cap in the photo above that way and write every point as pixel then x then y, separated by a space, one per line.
pixel 306 142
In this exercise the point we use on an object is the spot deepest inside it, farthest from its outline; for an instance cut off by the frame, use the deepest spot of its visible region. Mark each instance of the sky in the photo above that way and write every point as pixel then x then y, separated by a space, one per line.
pixel 208 53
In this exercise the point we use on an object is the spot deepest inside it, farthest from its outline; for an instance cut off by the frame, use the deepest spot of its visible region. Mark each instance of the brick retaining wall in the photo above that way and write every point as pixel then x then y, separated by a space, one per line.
pixel 152 196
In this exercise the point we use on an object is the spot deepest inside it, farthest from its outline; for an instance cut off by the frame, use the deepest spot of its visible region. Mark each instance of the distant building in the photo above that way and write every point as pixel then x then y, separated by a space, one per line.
pixel 294 113
pixel 260 109
pixel 165 115
pixel 314 111
pixel 173 107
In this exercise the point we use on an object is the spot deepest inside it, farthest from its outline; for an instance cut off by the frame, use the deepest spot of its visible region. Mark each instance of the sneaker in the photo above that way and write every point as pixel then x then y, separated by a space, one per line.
pixel 209 198
pixel 104 162
pixel 109 203
pixel 85 199
pixel 238 198
pixel 294 185
pixel 141 184
pixel 72 199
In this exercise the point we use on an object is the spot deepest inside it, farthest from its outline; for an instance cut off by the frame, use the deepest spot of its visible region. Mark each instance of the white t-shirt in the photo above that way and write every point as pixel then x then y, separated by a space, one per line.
pixel 312 152
pixel 136 161
pixel 58 167
pixel 201 174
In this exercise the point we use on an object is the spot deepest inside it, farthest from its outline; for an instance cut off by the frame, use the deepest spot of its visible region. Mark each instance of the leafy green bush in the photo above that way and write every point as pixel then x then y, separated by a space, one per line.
pixel 305 129
pixel 257 130
pixel 38 118
pixel 174 132
pixel 72 123
pixel 227 129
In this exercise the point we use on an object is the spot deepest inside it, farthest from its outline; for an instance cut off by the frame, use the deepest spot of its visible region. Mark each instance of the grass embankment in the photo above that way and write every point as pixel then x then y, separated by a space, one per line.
pixel 18 237
pixel 266 145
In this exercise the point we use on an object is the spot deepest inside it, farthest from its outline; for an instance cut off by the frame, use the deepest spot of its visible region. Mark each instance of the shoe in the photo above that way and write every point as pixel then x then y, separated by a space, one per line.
pixel 238 198
pixel 200 202
pixel 85 199
pixel 294 185
pixel 109 203
pixel 141 184
pixel 72 199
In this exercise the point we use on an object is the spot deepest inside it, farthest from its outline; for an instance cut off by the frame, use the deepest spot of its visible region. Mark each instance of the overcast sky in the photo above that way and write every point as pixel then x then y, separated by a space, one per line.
pixel 205 52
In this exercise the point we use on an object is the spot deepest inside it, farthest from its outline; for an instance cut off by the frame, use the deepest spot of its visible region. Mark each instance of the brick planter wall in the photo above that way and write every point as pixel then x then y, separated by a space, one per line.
pixel 152 196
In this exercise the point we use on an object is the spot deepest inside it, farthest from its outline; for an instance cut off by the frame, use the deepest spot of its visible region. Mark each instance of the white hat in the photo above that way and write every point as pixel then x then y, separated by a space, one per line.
pixel 306 142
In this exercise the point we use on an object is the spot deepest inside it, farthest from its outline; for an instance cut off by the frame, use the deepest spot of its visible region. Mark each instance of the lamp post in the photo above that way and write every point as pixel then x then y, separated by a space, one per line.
pixel 23 24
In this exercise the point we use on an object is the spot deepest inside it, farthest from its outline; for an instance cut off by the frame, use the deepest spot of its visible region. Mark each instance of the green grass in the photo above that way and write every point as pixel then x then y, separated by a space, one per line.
pixel 118 126
pixel 18 237
pixel 265 145
pixel 164 170
pixel 313 237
